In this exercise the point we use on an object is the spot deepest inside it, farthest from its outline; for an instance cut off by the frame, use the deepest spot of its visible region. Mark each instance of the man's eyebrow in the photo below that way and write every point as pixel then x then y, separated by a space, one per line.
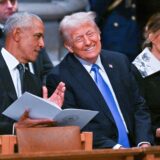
pixel 39 34
pixel 4 1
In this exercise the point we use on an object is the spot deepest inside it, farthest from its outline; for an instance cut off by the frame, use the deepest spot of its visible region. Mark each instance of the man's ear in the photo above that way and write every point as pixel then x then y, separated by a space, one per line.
pixel 16 34
pixel 68 47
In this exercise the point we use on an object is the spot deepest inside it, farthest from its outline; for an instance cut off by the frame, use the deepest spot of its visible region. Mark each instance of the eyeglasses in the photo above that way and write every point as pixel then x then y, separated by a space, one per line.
pixel 11 1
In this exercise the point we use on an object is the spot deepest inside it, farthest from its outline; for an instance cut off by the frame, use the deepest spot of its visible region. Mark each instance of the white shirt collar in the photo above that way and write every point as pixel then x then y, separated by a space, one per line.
pixel 147 63
pixel 1 26
pixel 88 65
pixel 10 60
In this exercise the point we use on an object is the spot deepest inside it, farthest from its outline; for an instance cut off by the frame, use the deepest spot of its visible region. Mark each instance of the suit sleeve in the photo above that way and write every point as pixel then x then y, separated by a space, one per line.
pixel 143 130
pixel 6 124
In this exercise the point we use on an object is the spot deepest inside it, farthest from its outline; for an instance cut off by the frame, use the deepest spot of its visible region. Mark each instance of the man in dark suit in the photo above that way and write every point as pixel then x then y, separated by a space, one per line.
pixel 7 8
pixel 82 39
pixel 24 39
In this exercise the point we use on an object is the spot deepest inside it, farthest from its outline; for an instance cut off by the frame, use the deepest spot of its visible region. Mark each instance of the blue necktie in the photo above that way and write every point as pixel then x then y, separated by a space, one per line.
pixel 105 90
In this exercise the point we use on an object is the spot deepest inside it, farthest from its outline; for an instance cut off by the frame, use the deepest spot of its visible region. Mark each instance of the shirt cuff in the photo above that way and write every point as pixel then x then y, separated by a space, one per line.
pixel 117 146
pixel 14 129
pixel 139 144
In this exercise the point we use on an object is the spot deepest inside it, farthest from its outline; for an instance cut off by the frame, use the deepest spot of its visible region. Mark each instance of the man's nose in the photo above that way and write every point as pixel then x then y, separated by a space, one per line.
pixel 41 43
pixel 87 40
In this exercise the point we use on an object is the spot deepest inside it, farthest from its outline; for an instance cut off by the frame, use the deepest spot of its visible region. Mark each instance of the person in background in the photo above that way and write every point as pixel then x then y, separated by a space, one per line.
pixel 7 8
pixel 145 9
pixel 24 38
pixel 101 80
pixel 146 68
pixel 118 25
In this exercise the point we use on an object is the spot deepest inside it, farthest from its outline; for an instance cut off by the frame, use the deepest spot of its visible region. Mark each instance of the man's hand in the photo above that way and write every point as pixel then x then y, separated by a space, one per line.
pixel 27 122
pixel 57 96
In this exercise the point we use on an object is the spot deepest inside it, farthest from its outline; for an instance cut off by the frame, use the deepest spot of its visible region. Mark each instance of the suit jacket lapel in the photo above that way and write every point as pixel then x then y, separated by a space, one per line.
pixel 32 83
pixel 112 74
pixel 114 77
pixel 6 80
pixel 84 79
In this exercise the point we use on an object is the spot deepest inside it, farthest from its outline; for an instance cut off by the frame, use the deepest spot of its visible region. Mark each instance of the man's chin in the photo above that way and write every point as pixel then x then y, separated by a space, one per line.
pixel 33 59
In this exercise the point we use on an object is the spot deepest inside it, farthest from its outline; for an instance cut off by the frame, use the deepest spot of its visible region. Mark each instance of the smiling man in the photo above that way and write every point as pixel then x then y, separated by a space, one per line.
pixel 101 80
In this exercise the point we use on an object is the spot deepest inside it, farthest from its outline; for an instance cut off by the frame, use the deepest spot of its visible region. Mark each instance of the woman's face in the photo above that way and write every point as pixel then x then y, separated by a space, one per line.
pixel 155 40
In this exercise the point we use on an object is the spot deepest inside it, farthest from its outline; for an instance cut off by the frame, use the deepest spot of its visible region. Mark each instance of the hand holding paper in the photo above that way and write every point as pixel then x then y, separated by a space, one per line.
pixel 40 108
pixel 26 121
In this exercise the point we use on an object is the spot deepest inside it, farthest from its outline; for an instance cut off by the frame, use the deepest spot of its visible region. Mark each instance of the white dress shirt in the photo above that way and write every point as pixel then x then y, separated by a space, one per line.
pixel 12 63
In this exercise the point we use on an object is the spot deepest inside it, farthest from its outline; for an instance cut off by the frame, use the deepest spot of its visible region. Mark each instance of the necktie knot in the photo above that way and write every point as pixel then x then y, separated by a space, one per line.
pixel 21 70
pixel 95 68
pixel 20 67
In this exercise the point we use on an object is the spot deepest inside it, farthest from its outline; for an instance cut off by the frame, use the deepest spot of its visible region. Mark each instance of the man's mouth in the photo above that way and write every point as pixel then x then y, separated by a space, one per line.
pixel 91 48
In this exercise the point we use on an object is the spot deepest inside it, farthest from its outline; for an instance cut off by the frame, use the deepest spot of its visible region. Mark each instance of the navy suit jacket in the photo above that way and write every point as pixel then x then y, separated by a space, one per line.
pixel 32 84
pixel 82 92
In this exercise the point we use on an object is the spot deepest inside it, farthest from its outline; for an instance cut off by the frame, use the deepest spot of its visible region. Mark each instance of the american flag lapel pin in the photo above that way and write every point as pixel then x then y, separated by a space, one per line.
pixel 110 66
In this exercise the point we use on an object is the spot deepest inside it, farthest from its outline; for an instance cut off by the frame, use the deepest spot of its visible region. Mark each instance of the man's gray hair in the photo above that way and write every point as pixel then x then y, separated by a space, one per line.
pixel 19 19
pixel 74 20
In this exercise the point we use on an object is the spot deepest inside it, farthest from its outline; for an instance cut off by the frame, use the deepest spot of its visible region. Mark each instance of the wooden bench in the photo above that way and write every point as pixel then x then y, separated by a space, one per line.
pixel 152 153
pixel 46 140
pixel 98 154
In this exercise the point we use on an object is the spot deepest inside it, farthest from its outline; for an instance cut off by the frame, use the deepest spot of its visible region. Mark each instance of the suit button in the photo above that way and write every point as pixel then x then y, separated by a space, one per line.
pixel 115 24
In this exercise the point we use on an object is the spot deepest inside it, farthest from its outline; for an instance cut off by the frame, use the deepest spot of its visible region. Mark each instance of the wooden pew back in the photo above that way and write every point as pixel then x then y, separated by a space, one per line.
pixel 26 140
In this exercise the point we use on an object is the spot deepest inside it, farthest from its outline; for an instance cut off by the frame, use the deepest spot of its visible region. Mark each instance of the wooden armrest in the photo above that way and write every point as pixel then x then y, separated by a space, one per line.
pixel 87 140
pixel 7 143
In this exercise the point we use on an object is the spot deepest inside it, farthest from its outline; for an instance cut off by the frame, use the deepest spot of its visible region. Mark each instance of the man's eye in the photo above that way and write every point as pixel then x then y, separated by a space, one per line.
pixel 91 34
pixel 13 1
pixel 78 39
pixel 5 1
pixel 38 36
